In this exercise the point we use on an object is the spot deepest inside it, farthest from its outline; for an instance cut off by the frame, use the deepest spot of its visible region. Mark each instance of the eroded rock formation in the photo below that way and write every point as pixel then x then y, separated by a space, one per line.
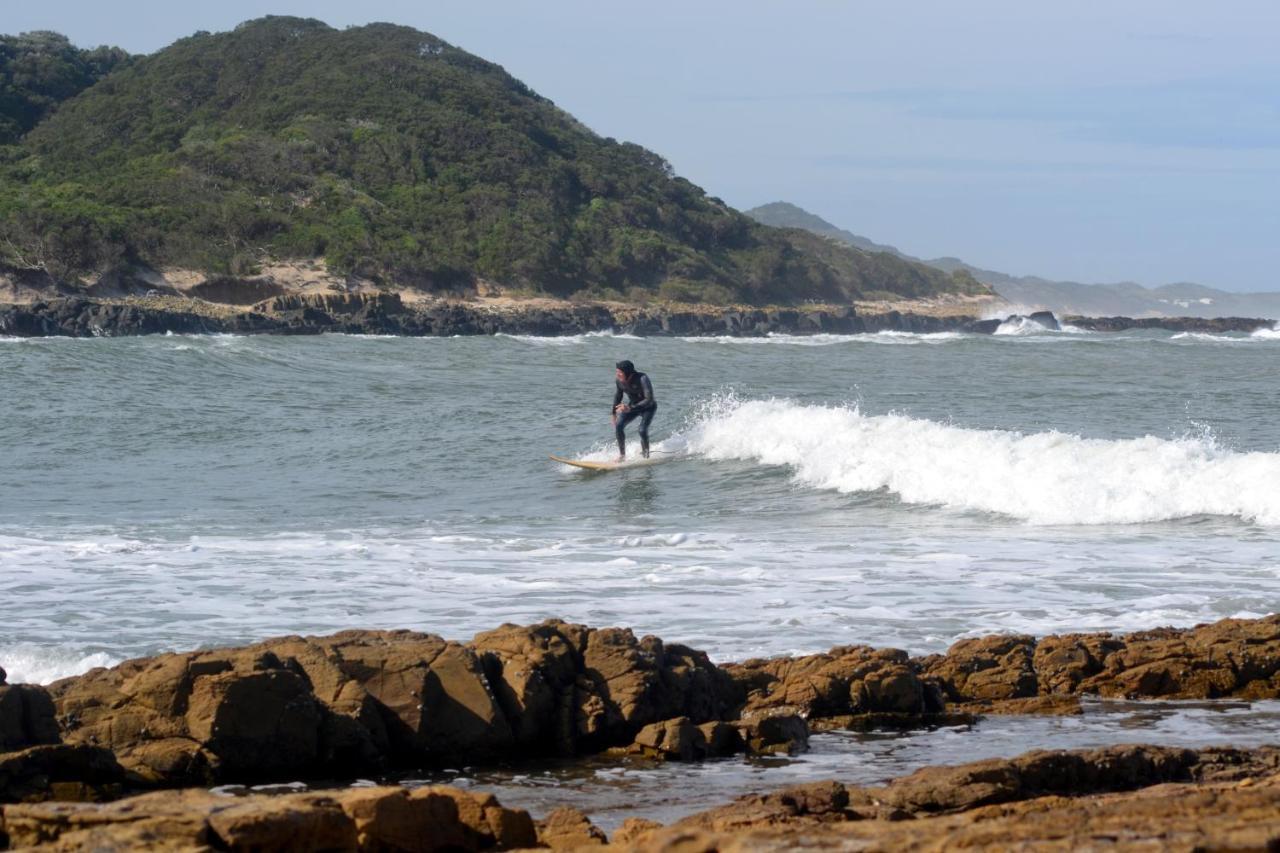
pixel 362 702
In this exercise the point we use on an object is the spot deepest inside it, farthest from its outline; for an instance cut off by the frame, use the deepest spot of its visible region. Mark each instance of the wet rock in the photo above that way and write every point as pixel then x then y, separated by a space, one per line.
pixel 27 716
pixel 1162 817
pixel 567 828
pixel 361 702
pixel 671 740
pixel 427 819
pixel 721 739
pixel 61 772
pixel 943 789
pixel 1046 319
pixel 1209 325
pixel 817 801
pixel 774 733
pixel 983 327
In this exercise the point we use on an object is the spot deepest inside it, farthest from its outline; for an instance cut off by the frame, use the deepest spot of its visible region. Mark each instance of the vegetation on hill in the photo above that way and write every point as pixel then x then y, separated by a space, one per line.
pixel 396 157
pixel 40 70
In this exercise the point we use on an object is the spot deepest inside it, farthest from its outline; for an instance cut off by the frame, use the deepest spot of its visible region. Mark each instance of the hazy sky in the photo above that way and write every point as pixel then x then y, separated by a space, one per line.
pixel 1097 141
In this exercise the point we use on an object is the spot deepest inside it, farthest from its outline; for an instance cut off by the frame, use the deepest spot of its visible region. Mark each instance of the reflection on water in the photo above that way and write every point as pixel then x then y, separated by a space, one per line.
pixel 637 495
pixel 611 790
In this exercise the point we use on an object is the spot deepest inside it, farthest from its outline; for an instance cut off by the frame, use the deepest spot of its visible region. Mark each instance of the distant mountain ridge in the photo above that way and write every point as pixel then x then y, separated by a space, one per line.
pixel 1063 297
pixel 395 158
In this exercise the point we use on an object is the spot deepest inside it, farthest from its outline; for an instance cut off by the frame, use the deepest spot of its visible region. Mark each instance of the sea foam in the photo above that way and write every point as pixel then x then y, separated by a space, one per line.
pixel 28 663
pixel 1042 478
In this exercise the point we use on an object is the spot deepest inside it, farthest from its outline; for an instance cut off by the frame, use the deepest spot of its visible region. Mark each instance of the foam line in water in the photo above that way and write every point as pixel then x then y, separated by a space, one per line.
pixel 826 339
pixel 1042 478
pixel 566 340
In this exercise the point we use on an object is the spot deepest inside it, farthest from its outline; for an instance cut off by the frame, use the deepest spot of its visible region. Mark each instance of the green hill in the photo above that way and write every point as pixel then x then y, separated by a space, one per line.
pixel 40 70
pixel 397 157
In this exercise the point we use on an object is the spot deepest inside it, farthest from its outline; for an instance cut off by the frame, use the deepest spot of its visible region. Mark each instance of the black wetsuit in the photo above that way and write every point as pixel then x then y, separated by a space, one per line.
pixel 640 403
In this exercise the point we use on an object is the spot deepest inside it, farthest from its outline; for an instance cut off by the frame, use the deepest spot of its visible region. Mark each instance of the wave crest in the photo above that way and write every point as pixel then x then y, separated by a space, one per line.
pixel 1042 478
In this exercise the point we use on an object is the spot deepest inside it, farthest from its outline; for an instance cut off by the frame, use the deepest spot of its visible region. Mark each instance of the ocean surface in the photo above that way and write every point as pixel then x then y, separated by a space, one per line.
pixel 168 493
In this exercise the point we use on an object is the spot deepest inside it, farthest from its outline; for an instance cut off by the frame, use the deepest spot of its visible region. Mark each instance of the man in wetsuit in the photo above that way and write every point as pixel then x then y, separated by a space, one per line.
pixel 640 404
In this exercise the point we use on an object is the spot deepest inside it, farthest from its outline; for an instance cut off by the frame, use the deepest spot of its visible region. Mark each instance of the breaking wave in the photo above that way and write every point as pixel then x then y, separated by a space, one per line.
pixel 1041 478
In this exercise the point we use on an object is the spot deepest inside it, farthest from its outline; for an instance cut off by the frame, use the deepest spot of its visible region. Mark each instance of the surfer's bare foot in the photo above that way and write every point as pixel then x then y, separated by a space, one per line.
pixel 620 459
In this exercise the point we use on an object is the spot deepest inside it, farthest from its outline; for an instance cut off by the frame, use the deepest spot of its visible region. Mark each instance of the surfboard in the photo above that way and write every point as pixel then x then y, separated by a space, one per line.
pixel 590 465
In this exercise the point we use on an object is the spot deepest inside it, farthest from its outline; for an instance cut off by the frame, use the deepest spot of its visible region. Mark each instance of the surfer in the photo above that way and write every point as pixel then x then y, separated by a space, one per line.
pixel 640 404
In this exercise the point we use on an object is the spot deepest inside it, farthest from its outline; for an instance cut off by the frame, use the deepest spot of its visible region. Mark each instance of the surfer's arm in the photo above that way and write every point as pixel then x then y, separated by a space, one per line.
pixel 617 399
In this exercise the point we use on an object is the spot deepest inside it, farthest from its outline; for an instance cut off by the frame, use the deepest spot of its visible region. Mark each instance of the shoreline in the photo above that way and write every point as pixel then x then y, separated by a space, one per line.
pixel 364 701
pixel 146 738
pixel 389 314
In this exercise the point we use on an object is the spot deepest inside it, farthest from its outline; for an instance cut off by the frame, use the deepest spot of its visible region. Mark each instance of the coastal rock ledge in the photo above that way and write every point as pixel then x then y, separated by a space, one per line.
pixel 360 703
pixel 388 314
pixel 1125 797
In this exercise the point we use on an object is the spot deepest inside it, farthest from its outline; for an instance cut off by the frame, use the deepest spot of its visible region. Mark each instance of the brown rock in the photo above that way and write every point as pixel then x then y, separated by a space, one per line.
pixel 171 820
pixel 1057 706
pixel 985 668
pixel 945 789
pixel 773 733
pixel 258 724
pixel 1062 663
pixel 1165 817
pixel 381 819
pixel 634 830
pixel 818 800
pixel 1232 657
pixel 846 680
pixel 567 828
pixel 271 824
pixel 488 822
pixel 721 739
pixel 533 671
pixel 584 689
pixel 439 700
pixel 673 740
pixel 390 819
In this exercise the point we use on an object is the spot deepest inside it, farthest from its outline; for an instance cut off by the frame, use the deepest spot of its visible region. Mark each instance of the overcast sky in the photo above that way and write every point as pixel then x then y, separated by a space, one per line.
pixel 1096 141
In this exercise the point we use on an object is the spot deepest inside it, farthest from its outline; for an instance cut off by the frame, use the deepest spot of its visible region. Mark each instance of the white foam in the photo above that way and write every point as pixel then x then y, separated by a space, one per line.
pixel 1022 326
pixel 1272 334
pixel 1043 478
pixel 566 340
pixel 26 663
pixel 826 340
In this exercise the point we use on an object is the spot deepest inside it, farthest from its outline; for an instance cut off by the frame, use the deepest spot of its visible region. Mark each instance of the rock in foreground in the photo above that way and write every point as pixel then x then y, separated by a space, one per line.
pixel 365 702
pixel 1130 797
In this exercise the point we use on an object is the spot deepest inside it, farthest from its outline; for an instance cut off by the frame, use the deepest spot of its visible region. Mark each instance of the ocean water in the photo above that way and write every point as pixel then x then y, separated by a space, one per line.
pixel 901 490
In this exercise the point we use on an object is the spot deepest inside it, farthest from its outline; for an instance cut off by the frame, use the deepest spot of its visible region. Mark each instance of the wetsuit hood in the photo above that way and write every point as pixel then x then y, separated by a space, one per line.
pixel 626 367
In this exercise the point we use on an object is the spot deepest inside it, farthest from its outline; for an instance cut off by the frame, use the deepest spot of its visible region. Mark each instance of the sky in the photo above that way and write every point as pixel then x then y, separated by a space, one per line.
pixel 1132 140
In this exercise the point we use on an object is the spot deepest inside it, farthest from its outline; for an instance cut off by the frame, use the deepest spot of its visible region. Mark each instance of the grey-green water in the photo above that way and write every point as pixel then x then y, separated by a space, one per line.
pixel 169 492
pixel 173 492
